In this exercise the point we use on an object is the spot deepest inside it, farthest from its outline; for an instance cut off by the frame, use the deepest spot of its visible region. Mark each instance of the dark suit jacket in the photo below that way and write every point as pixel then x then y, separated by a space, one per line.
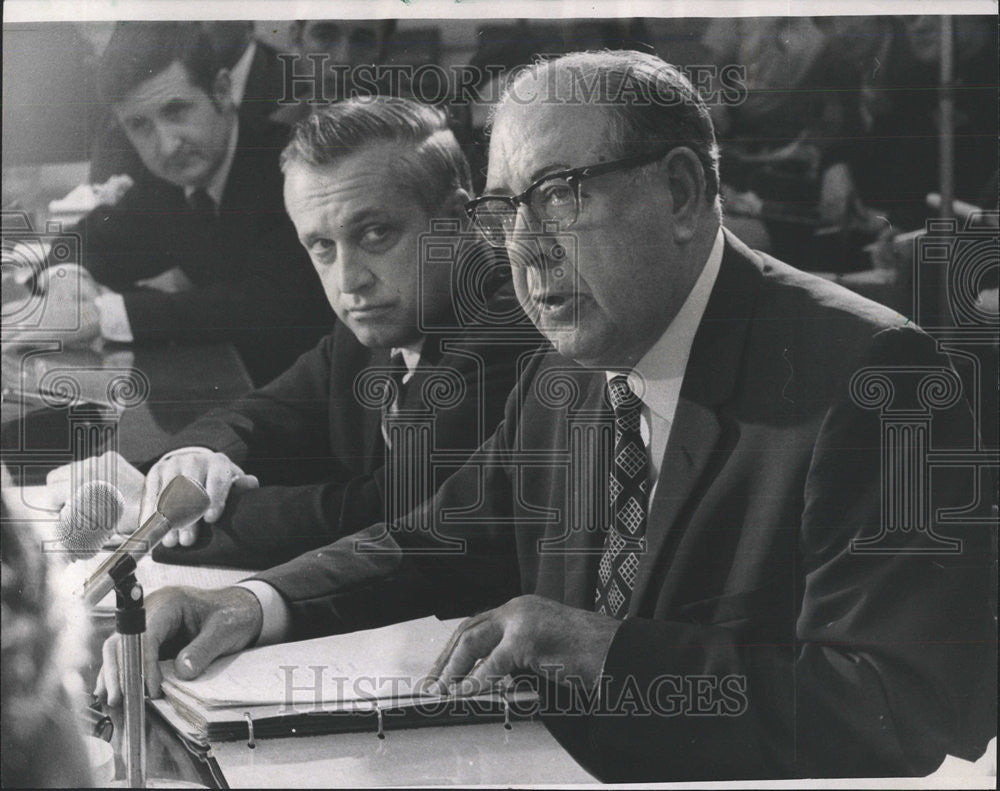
pixel 819 659
pixel 112 153
pixel 254 284
pixel 313 436
pixel 265 83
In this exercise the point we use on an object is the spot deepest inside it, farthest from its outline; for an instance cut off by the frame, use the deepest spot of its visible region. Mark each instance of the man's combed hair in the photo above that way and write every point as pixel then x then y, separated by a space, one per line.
pixel 650 103
pixel 432 165
pixel 138 51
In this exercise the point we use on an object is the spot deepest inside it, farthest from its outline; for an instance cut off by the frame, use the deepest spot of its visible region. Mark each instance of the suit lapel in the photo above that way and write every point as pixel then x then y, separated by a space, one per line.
pixel 709 381
pixel 582 548
pixel 264 84
pixel 372 440
pixel 355 429
pixel 695 432
pixel 254 187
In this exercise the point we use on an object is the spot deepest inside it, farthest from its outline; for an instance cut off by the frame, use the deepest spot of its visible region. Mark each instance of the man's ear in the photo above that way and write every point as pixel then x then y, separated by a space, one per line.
pixel 454 205
pixel 686 186
pixel 222 90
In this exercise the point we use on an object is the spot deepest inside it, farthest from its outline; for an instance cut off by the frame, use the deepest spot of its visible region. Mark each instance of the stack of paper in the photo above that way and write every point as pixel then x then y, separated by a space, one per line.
pixel 358 681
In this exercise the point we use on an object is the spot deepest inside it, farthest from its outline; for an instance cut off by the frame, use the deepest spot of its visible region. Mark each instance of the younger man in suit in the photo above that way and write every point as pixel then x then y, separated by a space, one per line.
pixel 414 372
pixel 256 83
pixel 207 210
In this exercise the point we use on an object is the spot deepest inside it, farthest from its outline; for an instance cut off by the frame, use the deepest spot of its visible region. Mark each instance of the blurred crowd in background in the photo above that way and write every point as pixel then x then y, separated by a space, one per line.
pixel 829 126
pixel 830 131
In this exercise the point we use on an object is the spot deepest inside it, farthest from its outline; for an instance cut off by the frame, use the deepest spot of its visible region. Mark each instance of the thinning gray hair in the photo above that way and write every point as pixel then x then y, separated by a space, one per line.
pixel 650 104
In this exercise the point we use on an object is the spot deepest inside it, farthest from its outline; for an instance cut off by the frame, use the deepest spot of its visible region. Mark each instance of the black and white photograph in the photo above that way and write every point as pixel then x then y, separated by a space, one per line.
pixel 541 394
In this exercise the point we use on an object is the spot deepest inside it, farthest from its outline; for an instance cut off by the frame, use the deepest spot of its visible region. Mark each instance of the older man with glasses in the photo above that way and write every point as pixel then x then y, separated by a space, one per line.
pixel 678 526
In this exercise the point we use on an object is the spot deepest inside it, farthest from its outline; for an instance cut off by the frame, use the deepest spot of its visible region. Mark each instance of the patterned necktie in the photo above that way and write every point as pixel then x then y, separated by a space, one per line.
pixel 628 490
pixel 397 370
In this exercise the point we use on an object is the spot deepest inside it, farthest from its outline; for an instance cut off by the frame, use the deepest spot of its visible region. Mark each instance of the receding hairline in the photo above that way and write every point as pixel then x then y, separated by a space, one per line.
pixel 517 125
pixel 643 98
pixel 529 87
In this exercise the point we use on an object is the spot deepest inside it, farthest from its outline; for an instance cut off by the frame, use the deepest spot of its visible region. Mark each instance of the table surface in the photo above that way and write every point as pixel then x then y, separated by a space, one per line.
pixel 147 394
pixel 469 754
pixel 181 383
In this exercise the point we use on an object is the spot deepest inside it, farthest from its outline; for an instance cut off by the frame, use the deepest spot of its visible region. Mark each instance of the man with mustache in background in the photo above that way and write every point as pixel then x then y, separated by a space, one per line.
pixel 199 248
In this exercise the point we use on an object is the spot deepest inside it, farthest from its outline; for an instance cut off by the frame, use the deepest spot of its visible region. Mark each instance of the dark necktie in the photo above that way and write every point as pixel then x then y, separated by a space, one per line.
pixel 628 491
pixel 397 370
pixel 202 203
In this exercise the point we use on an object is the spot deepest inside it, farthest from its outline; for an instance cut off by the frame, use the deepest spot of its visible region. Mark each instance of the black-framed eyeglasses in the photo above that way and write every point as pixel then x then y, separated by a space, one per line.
pixel 554 198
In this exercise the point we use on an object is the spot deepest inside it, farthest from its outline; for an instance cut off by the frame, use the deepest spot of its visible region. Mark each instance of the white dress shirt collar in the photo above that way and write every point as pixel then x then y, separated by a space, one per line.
pixel 240 73
pixel 411 356
pixel 657 377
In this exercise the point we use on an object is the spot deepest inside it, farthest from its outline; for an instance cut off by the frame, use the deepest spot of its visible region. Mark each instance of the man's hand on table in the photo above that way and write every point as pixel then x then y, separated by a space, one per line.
pixel 214 471
pixel 210 623
pixel 528 633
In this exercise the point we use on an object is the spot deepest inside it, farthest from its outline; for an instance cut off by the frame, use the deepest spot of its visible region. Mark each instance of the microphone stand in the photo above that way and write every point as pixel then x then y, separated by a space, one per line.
pixel 130 623
pixel 181 502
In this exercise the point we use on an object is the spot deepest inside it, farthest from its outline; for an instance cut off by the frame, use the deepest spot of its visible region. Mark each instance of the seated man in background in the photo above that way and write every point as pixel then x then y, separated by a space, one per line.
pixel 328 51
pixel 363 182
pixel 209 213
pixel 713 592
pixel 256 81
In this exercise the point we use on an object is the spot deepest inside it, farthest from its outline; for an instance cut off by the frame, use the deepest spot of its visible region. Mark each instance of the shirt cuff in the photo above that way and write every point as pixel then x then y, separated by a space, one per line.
pixel 114 317
pixel 187 449
pixel 277 617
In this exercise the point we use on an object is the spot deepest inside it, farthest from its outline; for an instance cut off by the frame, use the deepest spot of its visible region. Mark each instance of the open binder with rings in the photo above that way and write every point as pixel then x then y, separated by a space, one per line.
pixel 367 681
pixel 255 723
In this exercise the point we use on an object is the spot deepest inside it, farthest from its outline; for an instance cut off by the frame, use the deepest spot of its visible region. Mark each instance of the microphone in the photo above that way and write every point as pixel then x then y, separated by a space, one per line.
pixel 89 517
pixel 181 502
